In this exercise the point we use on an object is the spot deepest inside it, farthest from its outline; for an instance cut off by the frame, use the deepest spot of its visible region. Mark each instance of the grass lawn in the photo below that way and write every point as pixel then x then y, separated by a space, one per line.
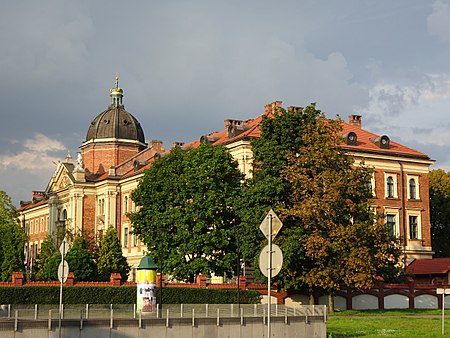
pixel 395 323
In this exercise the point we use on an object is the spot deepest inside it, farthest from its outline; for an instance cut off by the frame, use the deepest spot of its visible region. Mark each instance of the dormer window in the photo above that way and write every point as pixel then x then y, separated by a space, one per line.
pixel 350 138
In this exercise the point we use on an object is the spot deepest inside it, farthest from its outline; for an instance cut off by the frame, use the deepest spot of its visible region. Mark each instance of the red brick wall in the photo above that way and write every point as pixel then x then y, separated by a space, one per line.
pixel 89 204
pixel 98 158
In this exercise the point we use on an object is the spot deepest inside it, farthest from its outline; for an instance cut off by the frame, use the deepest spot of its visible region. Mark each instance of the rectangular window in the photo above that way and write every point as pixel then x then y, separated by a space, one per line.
pixel 390 224
pixel 135 242
pixel 413 227
pixel 125 237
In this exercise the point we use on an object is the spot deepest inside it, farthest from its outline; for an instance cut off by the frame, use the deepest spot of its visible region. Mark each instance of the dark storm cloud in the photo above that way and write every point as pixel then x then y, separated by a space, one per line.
pixel 187 66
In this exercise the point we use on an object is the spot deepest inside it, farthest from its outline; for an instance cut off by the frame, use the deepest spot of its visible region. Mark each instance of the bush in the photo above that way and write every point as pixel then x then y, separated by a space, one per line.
pixel 120 295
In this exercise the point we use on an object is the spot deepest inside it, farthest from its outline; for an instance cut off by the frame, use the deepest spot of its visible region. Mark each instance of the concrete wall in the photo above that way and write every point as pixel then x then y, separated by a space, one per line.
pixel 293 327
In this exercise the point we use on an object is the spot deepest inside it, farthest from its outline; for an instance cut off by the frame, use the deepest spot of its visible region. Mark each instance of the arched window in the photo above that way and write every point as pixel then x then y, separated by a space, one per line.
pixel 390 187
pixel 412 189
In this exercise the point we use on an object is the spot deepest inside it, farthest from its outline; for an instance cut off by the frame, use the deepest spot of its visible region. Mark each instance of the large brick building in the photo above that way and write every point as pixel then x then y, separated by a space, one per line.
pixel 94 191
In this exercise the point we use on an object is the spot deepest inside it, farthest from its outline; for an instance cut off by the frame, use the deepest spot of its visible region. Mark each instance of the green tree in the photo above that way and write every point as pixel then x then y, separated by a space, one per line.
pixel 280 136
pixel 187 216
pixel 80 261
pixel 48 250
pixel 440 211
pixel 12 239
pixel 330 236
pixel 110 258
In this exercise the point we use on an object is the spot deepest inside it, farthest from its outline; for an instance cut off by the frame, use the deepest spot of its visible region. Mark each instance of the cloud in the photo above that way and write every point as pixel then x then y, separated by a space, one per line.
pixel 439 20
pixel 36 155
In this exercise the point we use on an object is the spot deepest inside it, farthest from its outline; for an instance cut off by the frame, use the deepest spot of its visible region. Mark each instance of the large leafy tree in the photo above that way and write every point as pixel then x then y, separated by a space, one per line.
pixel 280 136
pixel 330 236
pixel 110 258
pixel 440 211
pixel 80 261
pixel 187 215
pixel 48 250
pixel 12 239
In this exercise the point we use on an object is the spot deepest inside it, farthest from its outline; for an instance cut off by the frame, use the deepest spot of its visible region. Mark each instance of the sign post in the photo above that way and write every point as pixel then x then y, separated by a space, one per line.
pixel 63 272
pixel 270 227
pixel 443 292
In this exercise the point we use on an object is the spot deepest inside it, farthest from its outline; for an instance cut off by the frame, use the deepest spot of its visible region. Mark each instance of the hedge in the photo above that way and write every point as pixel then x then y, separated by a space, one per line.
pixel 121 295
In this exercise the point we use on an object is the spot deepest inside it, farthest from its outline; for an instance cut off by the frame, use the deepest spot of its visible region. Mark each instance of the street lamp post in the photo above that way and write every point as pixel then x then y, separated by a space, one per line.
pixel 161 230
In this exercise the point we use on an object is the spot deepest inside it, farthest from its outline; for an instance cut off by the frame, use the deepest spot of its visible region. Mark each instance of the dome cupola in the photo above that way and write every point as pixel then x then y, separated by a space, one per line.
pixel 115 122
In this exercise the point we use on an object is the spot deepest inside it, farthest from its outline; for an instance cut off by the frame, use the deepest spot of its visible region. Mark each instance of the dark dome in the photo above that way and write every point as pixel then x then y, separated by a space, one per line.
pixel 116 123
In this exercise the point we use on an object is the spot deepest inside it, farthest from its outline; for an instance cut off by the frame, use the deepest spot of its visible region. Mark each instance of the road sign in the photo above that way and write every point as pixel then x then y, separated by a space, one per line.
pixel 63 271
pixel 64 247
pixel 277 260
pixel 276 224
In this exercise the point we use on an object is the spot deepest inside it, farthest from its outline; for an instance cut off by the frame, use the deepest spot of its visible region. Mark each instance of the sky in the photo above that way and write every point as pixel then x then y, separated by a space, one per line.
pixel 186 66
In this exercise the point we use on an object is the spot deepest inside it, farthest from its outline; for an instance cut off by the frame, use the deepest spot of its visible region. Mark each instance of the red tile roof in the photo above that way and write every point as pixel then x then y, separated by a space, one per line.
pixel 364 143
pixel 429 266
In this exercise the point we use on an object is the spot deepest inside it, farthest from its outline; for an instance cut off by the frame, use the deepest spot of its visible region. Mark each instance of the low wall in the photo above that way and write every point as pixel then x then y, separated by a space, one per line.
pixel 303 322
pixel 410 295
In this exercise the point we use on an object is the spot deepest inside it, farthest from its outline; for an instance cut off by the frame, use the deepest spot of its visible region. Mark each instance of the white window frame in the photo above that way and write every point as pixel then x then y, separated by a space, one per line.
pixel 416 181
pixel 396 213
pixel 419 224
pixel 373 183
pixel 395 182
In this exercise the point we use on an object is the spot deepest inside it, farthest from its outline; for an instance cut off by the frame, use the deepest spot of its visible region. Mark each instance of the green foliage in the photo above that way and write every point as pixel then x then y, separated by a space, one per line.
pixel 187 216
pixel 12 239
pixel 330 237
pixel 280 137
pixel 80 261
pixel 440 211
pixel 120 295
pixel 110 258
pixel 48 250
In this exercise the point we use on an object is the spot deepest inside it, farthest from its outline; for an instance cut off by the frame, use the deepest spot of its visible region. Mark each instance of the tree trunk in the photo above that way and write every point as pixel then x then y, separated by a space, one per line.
pixel 331 302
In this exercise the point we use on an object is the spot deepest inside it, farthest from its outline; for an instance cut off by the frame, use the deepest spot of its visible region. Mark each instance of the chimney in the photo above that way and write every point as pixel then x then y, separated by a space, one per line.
pixel 156 144
pixel 355 120
pixel 295 109
pixel 272 108
pixel 177 144
pixel 37 196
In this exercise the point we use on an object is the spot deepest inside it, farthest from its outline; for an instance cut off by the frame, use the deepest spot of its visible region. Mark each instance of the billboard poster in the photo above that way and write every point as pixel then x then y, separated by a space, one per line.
pixel 146 298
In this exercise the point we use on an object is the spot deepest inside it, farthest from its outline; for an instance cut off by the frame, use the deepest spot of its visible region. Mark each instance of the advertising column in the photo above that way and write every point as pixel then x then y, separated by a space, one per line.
pixel 146 282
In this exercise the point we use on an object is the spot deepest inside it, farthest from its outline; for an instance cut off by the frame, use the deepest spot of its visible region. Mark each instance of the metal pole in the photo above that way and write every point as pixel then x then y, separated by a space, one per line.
pixel 160 286
pixel 269 276
pixel 61 287
pixel 443 306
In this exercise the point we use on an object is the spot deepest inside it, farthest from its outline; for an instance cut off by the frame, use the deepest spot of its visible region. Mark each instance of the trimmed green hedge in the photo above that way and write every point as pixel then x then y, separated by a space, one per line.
pixel 120 295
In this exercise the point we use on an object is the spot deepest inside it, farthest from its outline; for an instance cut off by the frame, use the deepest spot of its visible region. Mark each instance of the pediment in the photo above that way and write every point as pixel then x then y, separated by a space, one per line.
pixel 62 178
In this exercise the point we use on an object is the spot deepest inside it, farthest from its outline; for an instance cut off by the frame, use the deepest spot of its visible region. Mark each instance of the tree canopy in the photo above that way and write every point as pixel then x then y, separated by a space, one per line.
pixel 187 211
pixel 44 268
pixel 12 239
pixel 80 261
pixel 110 258
pixel 440 211
pixel 330 236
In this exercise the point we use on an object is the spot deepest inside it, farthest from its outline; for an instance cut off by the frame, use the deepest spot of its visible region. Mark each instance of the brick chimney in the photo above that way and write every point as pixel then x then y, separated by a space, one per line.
pixel 355 120
pixel 157 145
pixel 272 107
pixel 295 109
